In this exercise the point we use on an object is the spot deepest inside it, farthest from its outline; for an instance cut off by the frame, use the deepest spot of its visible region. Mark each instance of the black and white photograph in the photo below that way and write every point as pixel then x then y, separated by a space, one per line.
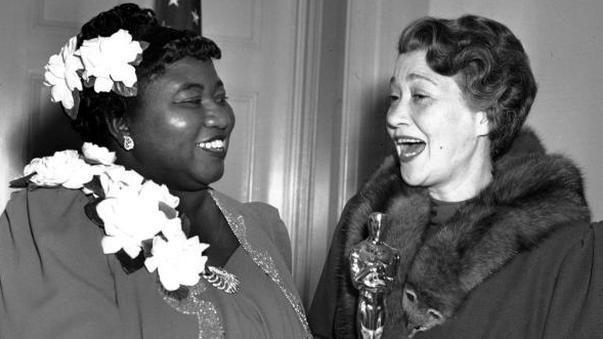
pixel 324 169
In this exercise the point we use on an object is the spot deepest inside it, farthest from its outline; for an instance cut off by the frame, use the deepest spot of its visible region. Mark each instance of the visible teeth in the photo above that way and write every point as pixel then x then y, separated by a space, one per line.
pixel 217 144
pixel 408 141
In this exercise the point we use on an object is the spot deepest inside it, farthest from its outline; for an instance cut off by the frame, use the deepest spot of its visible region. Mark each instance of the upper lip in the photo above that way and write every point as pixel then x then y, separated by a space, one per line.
pixel 400 139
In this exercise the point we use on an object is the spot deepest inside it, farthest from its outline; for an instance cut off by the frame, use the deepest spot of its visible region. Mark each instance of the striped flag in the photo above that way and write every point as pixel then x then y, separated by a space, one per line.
pixel 180 14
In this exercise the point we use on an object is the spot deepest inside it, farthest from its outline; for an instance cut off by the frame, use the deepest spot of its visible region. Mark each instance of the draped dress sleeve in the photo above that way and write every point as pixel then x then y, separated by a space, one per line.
pixel 54 280
pixel 267 304
pixel 274 226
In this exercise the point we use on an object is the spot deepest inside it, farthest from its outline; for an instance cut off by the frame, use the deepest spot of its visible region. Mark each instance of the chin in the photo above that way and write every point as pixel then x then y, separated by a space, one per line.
pixel 418 178
pixel 211 178
pixel 412 174
pixel 411 179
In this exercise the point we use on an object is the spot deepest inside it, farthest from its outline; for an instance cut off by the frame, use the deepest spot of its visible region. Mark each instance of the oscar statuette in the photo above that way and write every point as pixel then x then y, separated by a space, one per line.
pixel 373 266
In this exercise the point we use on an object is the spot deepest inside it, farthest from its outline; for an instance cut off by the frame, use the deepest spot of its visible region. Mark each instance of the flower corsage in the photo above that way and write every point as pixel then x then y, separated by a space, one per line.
pixel 141 223
pixel 103 63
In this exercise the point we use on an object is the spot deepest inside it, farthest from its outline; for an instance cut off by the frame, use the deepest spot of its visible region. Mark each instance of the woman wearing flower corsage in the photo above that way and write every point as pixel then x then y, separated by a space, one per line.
pixel 126 239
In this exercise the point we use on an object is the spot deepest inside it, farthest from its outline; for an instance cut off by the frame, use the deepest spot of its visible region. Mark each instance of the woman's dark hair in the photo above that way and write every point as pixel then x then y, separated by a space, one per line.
pixel 488 63
pixel 166 46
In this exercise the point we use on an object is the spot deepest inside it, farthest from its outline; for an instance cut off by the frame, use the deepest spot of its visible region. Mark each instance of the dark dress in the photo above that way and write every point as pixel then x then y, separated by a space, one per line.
pixel 553 291
pixel 526 284
pixel 55 282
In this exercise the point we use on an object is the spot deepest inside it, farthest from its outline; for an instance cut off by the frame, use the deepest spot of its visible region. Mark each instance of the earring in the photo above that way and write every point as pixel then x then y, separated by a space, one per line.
pixel 128 143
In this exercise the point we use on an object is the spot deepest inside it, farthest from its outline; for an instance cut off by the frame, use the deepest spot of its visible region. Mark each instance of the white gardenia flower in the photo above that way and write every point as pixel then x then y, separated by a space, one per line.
pixel 61 74
pixel 64 168
pixel 97 154
pixel 116 178
pixel 178 260
pixel 108 60
pixel 129 218
pixel 151 190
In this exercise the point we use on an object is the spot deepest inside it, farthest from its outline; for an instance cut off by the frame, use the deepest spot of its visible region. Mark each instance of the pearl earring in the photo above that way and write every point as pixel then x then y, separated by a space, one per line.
pixel 128 143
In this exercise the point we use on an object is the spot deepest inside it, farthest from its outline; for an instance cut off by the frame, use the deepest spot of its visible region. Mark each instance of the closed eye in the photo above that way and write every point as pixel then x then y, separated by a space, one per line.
pixel 419 93
pixel 419 97
pixel 195 101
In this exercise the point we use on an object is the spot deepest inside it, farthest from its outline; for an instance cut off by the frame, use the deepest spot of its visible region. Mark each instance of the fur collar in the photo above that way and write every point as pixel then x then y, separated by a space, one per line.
pixel 531 195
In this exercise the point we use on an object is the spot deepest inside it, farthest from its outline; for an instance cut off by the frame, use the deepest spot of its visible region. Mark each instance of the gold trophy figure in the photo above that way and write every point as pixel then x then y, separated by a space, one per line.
pixel 373 265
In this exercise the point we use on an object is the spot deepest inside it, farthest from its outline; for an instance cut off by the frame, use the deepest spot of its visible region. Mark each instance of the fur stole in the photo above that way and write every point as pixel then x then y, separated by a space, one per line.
pixel 531 195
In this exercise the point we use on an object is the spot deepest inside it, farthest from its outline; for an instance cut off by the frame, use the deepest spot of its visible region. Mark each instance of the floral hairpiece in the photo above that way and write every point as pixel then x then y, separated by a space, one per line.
pixel 105 63
pixel 139 217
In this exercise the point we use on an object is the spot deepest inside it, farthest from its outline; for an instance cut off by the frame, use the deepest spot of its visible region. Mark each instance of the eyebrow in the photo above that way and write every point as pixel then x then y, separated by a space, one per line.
pixel 194 85
pixel 190 85
pixel 415 76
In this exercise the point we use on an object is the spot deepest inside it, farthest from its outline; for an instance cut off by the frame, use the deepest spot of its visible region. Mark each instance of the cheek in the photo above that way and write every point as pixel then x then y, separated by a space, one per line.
pixel 177 122
pixel 175 125
pixel 449 146
pixel 446 133
pixel 437 133
pixel 167 132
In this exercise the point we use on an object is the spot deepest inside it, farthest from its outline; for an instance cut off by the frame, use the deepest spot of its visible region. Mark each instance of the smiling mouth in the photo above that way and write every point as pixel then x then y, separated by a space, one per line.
pixel 408 147
pixel 216 145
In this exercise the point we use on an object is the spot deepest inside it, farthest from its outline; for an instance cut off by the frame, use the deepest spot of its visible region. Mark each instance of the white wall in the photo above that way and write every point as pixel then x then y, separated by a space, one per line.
pixel 564 40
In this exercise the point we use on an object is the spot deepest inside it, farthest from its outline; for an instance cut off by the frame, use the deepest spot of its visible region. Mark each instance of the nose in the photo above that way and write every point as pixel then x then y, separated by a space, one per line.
pixel 218 116
pixel 398 114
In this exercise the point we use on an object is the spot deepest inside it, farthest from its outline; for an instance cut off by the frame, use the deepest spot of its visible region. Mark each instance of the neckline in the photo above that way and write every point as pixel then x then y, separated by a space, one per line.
pixel 437 202
pixel 442 211
pixel 261 257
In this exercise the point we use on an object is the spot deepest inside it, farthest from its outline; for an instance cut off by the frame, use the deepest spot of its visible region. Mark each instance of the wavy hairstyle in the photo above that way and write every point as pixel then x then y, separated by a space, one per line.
pixel 166 46
pixel 488 63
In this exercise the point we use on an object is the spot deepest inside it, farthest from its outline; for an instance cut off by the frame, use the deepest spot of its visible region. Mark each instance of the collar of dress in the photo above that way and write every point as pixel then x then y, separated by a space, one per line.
pixel 210 325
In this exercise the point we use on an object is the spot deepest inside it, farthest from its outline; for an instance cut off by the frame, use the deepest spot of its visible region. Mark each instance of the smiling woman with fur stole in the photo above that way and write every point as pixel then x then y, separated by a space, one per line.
pixel 494 234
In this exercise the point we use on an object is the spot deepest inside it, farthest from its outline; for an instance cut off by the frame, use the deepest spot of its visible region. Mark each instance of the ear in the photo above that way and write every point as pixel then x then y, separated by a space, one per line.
pixel 482 124
pixel 118 128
